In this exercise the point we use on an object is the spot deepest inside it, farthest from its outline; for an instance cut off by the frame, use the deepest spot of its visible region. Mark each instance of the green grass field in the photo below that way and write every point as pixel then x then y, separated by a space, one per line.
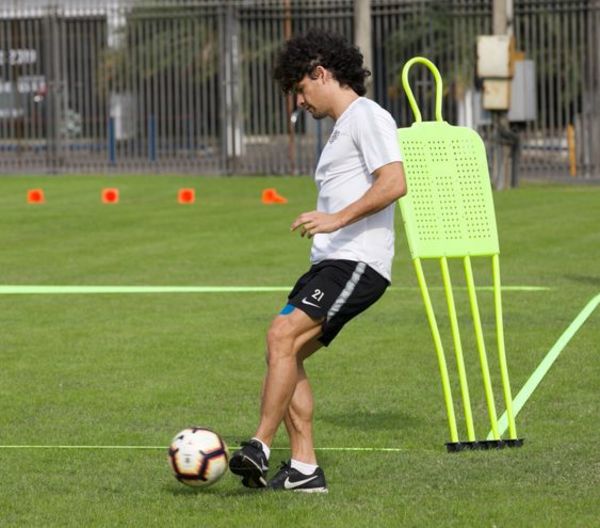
pixel 133 369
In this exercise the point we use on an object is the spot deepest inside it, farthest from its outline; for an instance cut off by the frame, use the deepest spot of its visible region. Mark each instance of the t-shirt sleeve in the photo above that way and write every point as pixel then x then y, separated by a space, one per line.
pixel 375 132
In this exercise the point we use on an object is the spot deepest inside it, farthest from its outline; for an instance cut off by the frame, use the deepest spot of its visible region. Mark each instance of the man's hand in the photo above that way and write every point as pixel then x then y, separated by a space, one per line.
pixel 315 222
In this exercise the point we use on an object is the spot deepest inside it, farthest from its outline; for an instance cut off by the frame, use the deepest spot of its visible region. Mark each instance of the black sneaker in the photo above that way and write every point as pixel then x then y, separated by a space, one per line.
pixel 290 479
pixel 250 463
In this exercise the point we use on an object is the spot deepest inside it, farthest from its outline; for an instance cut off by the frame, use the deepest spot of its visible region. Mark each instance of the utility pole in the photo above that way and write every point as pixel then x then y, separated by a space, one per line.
pixel 363 37
pixel 502 23
pixel 291 116
pixel 53 31
pixel 503 17
pixel 231 134
pixel 594 170
pixel 15 69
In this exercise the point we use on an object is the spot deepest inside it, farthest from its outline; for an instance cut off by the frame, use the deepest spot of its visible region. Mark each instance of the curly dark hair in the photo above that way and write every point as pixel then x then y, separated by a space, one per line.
pixel 302 54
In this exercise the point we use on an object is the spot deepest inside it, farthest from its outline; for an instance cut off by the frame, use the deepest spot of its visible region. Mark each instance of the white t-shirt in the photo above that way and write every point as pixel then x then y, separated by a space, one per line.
pixel 363 140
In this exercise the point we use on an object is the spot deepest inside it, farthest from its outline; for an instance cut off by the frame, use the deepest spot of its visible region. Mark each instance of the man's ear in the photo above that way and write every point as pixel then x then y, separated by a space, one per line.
pixel 322 73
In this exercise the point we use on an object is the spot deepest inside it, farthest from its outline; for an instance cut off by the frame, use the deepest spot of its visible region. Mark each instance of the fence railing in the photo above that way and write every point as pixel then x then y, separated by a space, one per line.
pixel 186 85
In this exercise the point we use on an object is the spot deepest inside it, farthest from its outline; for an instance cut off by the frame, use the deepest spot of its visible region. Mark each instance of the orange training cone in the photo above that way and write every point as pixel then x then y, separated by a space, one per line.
pixel 186 196
pixel 35 196
pixel 271 196
pixel 110 196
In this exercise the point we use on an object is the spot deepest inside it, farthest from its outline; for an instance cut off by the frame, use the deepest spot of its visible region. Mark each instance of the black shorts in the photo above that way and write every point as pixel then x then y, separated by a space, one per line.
pixel 336 291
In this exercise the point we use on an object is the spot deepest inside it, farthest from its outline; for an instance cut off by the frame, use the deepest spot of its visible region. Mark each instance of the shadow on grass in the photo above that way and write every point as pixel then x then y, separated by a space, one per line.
pixel 584 279
pixel 225 492
pixel 371 420
pixel 183 491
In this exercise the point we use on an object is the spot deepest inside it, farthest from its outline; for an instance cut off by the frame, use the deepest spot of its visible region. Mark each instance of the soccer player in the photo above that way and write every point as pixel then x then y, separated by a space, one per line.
pixel 359 177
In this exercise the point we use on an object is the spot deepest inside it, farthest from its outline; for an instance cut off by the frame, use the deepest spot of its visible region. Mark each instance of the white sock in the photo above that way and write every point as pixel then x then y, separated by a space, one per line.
pixel 303 467
pixel 266 449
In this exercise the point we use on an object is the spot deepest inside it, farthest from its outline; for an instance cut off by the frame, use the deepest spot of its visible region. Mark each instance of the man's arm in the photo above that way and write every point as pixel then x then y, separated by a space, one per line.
pixel 389 184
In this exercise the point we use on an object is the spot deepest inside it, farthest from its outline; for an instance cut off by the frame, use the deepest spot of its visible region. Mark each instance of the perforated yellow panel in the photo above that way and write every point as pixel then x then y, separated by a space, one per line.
pixel 448 210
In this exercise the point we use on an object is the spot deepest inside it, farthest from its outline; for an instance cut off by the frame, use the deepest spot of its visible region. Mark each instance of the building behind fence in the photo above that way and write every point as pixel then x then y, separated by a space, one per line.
pixel 186 86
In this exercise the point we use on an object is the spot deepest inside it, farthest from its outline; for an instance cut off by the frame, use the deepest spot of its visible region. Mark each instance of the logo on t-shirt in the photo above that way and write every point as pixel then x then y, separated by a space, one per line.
pixel 334 135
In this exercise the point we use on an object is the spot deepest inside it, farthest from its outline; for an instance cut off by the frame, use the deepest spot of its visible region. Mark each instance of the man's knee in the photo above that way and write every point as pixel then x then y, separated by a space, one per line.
pixel 287 335
pixel 280 338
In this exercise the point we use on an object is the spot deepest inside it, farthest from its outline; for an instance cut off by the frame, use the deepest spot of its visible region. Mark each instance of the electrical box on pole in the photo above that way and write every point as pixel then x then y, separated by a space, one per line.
pixel 495 65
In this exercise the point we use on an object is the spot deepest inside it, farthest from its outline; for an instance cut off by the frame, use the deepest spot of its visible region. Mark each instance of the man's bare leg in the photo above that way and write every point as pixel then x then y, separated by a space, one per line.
pixel 286 338
pixel 298 418
pixel 301 473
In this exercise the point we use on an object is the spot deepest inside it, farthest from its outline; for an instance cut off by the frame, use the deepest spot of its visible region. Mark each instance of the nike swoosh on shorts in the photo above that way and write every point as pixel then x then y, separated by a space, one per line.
pixel 304 301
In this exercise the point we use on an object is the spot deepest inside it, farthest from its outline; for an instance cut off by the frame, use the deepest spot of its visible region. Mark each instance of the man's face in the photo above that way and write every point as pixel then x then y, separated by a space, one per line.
pixel 311 94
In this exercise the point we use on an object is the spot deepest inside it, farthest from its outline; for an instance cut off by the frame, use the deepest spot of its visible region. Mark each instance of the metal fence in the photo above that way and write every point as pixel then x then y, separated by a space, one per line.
pixel 185 85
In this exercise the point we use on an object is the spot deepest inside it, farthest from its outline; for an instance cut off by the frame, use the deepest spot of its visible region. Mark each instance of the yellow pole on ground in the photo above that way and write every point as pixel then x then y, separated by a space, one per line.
pixel 485 371
pixel 439 349
pixel 460 363
pixel 501 348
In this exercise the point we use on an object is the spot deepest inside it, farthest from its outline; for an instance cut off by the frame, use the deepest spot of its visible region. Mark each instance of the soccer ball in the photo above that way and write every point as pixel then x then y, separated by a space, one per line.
pixel 198 456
